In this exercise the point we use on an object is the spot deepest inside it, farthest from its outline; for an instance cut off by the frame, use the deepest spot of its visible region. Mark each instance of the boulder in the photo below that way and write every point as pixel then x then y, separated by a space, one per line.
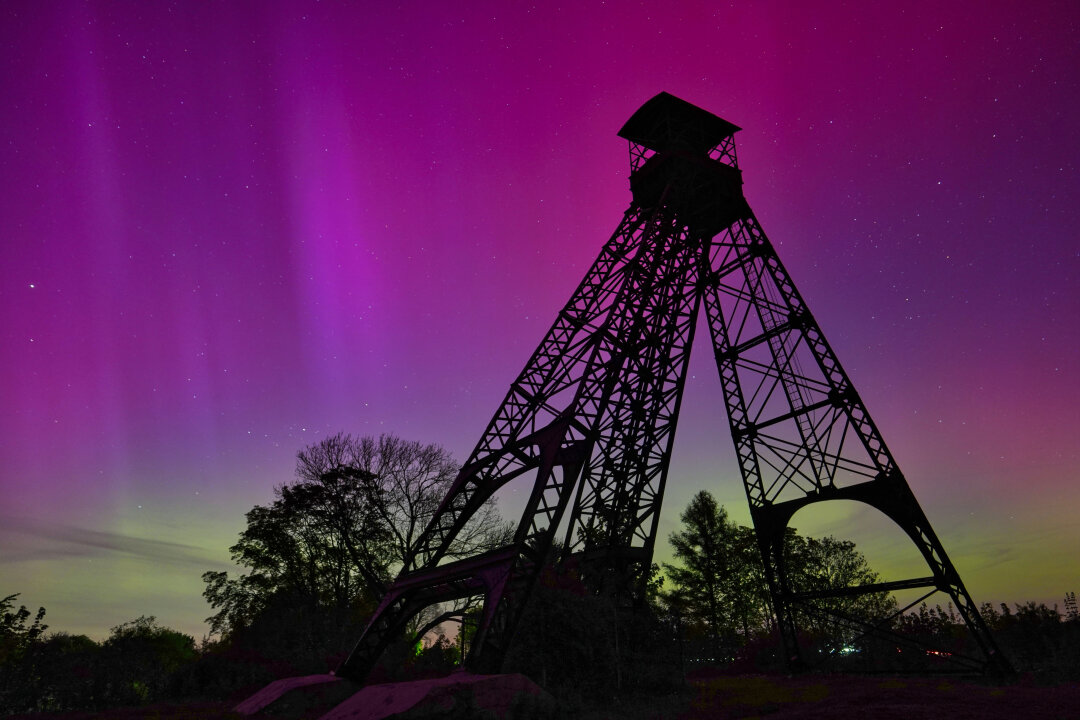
pixel 459 696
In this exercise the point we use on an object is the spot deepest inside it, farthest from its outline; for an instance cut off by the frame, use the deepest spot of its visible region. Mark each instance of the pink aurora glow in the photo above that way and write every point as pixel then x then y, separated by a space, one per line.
pixel 233 228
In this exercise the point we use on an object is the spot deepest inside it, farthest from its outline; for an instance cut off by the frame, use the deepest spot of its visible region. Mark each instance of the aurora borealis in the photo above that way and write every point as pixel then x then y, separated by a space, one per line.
pixel 230 229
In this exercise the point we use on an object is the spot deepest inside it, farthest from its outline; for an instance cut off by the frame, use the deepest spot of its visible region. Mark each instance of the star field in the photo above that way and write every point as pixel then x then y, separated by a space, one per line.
pixel 231 229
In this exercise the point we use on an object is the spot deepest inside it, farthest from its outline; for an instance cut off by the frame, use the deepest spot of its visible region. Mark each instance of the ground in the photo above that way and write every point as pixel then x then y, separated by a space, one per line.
pixel 727 697
pixel 828 697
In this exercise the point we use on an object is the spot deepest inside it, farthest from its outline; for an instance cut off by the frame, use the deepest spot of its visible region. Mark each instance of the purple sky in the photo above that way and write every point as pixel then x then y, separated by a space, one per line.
pixel 230 229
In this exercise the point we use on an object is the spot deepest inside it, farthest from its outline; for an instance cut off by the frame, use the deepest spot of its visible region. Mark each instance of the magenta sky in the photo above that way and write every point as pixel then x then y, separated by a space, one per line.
pixel 230 229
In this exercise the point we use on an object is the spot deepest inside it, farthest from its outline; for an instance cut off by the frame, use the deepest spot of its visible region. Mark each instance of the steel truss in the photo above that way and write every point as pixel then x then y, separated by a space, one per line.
pixel 592 416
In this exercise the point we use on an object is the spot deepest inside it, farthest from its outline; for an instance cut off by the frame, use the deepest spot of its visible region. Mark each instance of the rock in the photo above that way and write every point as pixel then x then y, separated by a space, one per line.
pixel 298 697
pixel 459 696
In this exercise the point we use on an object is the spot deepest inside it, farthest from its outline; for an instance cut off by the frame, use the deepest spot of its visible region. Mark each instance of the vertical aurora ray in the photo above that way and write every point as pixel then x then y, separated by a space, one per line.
pixel 248 226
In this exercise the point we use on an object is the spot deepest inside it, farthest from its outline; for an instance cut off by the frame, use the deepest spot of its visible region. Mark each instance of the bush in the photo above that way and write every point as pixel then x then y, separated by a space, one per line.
pixel 139 660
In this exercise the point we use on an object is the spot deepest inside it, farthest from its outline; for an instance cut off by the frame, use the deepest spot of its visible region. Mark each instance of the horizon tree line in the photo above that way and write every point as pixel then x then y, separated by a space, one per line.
pixel 317 558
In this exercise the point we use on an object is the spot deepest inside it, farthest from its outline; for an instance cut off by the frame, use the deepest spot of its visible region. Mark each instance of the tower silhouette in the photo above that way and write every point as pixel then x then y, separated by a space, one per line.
pixel 592 416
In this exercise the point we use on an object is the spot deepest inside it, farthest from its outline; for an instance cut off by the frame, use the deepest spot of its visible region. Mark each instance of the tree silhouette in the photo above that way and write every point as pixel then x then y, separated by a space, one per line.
pixel 719 581
pixel 822 564
pixel 139 659
pixel 320 539
pixel 17 642
pixel 320 555
pixel 412 479
pixel 15 636
pixel 138 663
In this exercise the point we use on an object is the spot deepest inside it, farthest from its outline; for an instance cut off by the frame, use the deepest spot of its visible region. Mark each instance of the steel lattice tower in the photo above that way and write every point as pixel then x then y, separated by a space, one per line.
pixel 592 416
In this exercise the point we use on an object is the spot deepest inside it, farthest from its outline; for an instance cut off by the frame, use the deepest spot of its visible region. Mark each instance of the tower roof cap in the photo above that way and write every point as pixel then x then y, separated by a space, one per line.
pixel 665 121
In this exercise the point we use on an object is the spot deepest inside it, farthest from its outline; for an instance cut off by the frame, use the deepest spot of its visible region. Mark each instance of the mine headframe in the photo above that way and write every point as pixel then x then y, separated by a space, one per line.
pixel 591 418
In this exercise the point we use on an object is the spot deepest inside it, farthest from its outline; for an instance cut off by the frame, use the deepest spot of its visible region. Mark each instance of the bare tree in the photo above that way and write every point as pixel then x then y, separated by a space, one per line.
pixel 412 480
pixel 336 535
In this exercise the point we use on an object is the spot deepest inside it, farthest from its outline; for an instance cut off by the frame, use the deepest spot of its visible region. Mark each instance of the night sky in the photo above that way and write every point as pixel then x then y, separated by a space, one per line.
pixel 231 229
